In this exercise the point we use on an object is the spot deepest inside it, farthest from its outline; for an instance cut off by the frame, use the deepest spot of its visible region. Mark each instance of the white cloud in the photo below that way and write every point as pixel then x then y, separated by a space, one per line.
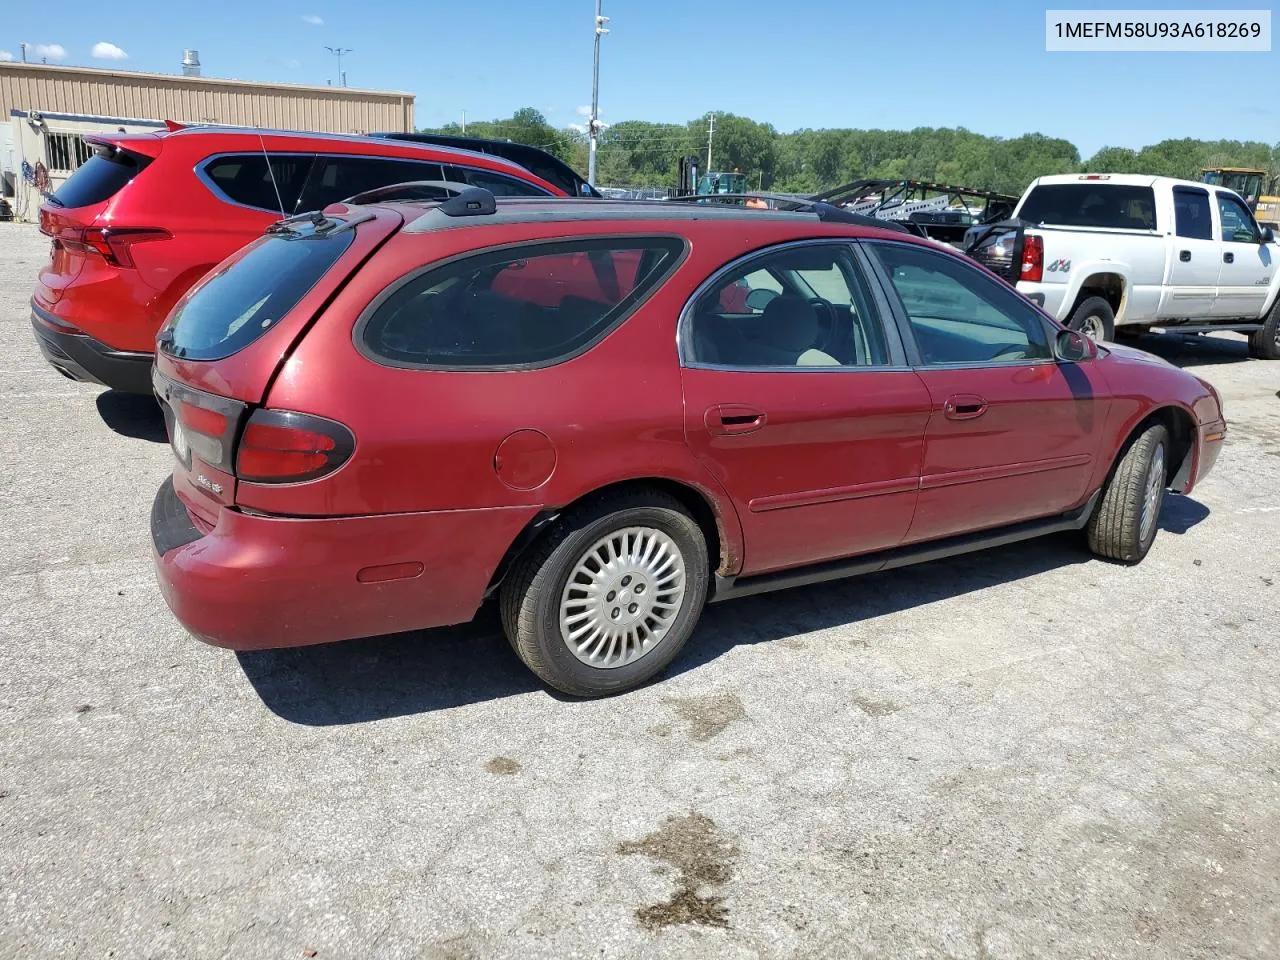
pixel 293 64
pixel 312 19
pixel 108 51
pixel 5 56
pixel 584 111
pixel 49 51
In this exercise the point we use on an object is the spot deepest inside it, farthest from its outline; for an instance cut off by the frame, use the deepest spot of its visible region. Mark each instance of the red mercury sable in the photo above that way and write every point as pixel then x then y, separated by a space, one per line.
pixel 604 414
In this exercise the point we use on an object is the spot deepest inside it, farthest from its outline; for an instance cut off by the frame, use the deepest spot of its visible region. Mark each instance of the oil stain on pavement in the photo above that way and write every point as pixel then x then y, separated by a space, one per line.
pixel 704 861
pixel 707 716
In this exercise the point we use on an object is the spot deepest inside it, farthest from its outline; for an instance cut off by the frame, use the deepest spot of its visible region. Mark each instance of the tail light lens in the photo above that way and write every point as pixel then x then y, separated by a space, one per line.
pixel 113 244
pixel 281 446
pixel 200 424
pixel 1032 259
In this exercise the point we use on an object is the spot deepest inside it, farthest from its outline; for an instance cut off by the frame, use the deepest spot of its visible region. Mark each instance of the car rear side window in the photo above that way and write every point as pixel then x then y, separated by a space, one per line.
pixel 1191 213
pixel 245 179
pixel 532 305
pixel 100 178
pixel 1091 204
pixel 229 310
pixel 338 178
pixel 499 184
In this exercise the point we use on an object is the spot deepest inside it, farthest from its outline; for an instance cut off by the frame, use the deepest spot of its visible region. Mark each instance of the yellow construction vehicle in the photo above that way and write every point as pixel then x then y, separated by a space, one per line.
pixel 1260 193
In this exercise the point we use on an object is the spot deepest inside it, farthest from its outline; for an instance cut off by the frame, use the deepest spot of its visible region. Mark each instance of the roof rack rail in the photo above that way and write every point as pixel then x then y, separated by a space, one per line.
pixel 826 212
pixel 472 202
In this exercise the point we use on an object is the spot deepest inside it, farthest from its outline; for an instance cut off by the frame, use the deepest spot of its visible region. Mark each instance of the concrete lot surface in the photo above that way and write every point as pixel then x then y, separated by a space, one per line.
pixel 1023 753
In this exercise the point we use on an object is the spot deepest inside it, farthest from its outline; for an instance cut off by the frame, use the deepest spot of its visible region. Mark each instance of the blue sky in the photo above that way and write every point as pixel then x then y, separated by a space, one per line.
pixel 803 63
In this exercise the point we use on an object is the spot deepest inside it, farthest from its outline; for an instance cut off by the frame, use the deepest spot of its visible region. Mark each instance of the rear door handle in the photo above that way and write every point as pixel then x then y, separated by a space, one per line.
pixel 1184 256
pixel 733 419
pixel 1228 258
pixel 964 406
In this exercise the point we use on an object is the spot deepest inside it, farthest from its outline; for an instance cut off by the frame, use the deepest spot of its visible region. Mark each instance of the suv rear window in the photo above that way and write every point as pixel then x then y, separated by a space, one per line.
pixel 100 178
pixel 1092 204
pixel 229 310
pixel 534 305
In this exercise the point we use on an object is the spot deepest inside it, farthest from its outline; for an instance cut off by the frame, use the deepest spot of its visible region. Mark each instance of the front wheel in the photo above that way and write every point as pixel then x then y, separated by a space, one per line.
pixel 1265 343
pixel 1094 318
pixel 1124 523
pixel 607 599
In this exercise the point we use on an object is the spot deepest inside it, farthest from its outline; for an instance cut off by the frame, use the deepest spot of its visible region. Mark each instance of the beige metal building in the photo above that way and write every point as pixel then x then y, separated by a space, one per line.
pixel 45 109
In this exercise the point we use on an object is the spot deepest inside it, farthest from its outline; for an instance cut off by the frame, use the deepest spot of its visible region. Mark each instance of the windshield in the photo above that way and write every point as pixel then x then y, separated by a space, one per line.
pixel 713 183
pixel 235 306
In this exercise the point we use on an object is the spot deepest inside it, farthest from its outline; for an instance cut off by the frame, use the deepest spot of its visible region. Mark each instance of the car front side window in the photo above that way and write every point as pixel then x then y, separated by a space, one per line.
pixel 957 314
pixel 1237 223
pixel 803 305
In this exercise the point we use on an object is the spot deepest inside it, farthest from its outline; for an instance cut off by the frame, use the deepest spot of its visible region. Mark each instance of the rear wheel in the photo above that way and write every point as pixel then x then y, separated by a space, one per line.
pixel 1265 343
pixel 607 599
pixel 1124 523
pixel 1094 318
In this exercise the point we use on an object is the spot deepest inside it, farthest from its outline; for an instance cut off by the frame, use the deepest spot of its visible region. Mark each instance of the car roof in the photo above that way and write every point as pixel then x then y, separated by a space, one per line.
pixel 362 144
pixel 429 217
pixel 1119 179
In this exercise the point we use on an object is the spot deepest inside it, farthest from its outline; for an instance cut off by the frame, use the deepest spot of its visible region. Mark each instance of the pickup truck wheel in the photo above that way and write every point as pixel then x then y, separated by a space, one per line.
pixel 1265 343
pixel 607 599
pixel 1094 318
pixel 1124 523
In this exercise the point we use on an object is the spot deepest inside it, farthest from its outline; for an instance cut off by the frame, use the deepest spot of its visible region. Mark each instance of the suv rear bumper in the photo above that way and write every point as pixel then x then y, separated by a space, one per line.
pixel 256 582
pixel 78 356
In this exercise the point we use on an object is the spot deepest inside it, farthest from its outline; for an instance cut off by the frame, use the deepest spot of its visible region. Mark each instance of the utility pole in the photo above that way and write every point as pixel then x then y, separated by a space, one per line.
pixel 594 131
pixel 338 52
pixel 711 132
pixel 464 123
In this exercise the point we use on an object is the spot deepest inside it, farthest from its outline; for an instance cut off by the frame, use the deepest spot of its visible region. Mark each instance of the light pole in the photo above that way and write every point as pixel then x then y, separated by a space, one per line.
pixel 595 97
pixel 338 52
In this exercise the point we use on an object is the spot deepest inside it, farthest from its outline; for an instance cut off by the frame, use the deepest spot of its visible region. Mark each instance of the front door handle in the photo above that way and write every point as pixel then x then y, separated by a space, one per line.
pixel 733 419
pixel 1184 256
pixel 1228 258
pixel 964 406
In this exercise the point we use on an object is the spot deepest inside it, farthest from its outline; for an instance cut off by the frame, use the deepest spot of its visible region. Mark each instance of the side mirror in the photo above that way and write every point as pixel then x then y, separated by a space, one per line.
pixel 1268 235
pixel 1074 347
pixel 759 298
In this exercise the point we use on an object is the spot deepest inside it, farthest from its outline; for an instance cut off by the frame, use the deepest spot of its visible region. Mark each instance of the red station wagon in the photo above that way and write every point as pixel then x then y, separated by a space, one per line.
pixel 603 414
pixel 150 214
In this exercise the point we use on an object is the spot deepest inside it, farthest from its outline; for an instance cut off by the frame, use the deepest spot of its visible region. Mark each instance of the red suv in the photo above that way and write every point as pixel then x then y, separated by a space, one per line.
pixel 149 214
pixel 602 414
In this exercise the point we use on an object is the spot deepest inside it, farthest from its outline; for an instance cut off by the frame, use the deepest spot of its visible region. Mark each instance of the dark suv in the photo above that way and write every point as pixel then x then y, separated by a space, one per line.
pixel 149 214
pixel 534 159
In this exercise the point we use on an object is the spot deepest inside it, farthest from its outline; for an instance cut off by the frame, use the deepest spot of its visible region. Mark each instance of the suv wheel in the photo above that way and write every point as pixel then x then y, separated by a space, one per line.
pixel 607 599
pixel 1265 343
pixel 1094 318
pixel 1124 524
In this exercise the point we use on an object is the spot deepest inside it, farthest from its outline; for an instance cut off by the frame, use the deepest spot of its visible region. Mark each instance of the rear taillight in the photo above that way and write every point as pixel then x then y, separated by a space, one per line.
pixel 200 424
pixel 280 446
pixel 113 244
pixel 1032 259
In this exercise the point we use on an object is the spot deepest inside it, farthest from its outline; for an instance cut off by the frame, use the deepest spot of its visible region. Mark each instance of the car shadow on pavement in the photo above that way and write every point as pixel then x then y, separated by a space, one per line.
pixel 1192 350
pixel 389 676
pixel 419 672
pixel 132 415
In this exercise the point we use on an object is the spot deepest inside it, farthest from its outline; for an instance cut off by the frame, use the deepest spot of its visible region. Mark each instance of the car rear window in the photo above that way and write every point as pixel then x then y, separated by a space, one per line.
pixel 100 178
pixel 1092 204
pixel 533 305
pixel 229 310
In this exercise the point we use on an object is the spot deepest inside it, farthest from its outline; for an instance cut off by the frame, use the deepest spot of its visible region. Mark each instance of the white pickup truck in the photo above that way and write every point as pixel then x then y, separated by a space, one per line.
pixel 1118 252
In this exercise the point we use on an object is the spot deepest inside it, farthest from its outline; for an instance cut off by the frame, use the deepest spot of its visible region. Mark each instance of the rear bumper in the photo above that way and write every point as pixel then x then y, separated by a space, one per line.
pixel 76 355
pixel 256 582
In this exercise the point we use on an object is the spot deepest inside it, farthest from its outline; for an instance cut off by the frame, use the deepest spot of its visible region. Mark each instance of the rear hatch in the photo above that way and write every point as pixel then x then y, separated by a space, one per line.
pixel 224 341
pixel 71 216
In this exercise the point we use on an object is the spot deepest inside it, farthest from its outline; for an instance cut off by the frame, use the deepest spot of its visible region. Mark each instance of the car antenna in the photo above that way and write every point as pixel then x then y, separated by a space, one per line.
pixel 272 174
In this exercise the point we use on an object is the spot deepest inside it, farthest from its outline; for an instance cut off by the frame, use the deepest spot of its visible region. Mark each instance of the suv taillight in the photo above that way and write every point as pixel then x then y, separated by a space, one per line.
pixel 1032 259
pixel 281 446
pixel 113 244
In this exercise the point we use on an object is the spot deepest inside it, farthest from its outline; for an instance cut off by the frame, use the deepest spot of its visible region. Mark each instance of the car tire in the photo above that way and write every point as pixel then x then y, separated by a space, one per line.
pixel 605 550
pixel 1125 522
pixel 1094 318
pixel 1264 344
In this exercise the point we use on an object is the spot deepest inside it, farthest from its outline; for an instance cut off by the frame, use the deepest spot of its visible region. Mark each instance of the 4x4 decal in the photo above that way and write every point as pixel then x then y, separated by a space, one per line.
pixel 1060 266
